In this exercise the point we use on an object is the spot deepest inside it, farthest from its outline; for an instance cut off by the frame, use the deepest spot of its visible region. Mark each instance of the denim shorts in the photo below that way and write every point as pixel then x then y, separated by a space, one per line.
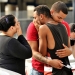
pixel 35 72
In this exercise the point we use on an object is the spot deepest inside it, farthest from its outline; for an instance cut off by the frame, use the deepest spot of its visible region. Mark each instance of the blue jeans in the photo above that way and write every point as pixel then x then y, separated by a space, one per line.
pixel 35 72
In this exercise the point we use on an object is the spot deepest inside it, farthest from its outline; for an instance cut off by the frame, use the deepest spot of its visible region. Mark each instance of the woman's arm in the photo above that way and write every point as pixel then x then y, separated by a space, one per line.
pixel 20 50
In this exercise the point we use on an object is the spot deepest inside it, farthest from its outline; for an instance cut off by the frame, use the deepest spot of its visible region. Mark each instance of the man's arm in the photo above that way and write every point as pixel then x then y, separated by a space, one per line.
pixel 38 56
pixel 34 46
pixel 42 41
pixel 64 52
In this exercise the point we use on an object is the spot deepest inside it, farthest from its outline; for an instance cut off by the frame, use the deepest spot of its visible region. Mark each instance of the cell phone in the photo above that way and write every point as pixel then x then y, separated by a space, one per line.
pixel 68 66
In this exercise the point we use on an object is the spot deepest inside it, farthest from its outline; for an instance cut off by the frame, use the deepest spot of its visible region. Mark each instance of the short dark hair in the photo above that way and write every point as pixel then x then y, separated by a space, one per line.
pixel 43 9
pixel 60 6
pixel 6 22
pixel 72 27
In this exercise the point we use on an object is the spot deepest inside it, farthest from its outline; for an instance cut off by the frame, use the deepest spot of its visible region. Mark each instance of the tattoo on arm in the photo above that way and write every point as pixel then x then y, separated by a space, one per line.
pixel 40 58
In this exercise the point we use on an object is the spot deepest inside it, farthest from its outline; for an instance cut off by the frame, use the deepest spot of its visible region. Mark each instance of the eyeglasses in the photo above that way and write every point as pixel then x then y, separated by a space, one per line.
pixel 72 42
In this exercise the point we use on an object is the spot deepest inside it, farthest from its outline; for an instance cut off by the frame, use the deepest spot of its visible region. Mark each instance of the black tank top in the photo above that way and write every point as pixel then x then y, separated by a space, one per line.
pixel 60 36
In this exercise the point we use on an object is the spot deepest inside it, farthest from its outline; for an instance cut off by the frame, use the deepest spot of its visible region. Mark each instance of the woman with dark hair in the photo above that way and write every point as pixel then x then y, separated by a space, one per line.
pixel 13 52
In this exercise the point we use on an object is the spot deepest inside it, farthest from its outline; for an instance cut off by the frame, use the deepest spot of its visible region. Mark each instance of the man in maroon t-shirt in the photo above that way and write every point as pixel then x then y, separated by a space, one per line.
pixel 41 13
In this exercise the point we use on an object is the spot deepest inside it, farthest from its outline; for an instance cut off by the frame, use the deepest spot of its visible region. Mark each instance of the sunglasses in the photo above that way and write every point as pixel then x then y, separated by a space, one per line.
pixel 72 42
